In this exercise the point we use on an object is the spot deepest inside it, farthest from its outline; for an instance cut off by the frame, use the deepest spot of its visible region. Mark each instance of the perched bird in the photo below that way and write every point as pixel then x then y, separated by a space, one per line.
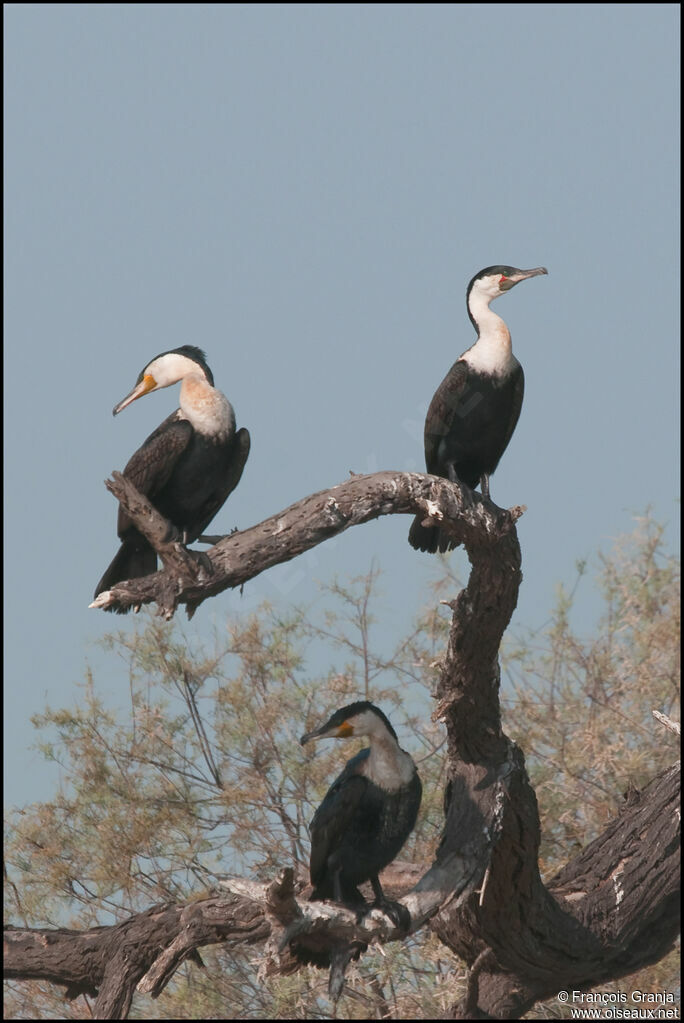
pixel 187 467
pixel 476 407
pixel 367 814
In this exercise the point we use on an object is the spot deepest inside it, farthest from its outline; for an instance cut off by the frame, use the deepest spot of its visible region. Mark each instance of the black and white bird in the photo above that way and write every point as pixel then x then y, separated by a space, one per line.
pixel 367 814
pixel 187 467
pixel 475 409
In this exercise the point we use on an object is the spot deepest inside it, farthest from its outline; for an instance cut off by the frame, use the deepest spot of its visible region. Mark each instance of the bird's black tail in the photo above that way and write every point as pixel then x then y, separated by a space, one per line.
pixel 429 538
pixel 132 560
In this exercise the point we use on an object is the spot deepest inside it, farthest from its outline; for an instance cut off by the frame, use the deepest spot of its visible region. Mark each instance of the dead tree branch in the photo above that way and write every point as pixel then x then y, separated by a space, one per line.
pixel 143 952
pixel 612 909
pixel 672 726
pixel 242 556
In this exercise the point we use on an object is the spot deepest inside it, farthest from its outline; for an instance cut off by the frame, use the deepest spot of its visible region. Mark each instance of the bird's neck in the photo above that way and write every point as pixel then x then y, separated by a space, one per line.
pixel 492 353
pixel 209 411
pixel 387 765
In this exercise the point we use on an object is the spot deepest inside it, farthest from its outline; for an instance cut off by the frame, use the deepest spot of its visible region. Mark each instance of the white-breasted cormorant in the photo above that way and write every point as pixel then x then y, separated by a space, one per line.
pixel 474 411
pixel 187 467
pixel 367 814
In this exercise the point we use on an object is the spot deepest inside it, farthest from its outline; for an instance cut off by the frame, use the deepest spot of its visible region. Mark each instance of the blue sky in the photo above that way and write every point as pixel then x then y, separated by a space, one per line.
pixel 304 191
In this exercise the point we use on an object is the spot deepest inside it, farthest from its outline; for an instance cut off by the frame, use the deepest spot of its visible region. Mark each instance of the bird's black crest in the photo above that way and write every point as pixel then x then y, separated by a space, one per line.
pixel 348 712
pixel 489 270
pixel 190 352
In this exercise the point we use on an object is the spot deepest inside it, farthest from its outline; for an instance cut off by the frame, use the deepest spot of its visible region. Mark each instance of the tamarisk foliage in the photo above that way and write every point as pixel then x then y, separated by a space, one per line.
pixel 207 777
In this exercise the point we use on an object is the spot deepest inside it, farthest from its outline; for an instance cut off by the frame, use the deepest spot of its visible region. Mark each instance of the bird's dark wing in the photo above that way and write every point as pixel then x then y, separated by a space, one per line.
pixel 150 468
pixel 241 445
pixel 448 398
pixel 516 403
pixel 335 816
pixel 234 465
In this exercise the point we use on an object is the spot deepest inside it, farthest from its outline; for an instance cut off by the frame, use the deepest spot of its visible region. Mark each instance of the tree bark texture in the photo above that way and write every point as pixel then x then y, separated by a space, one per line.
pixel 612 909
pixel 238 557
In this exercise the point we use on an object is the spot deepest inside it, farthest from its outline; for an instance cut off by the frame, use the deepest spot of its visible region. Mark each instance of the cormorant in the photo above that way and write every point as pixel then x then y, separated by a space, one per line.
pixel 367 814
pixel 187 467
pixel 475 409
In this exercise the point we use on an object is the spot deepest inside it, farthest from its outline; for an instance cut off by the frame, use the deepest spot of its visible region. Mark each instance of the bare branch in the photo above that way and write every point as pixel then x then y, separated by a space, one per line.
pixel 242 556
pixel 612 909
pixel 599 913
pixel 673 726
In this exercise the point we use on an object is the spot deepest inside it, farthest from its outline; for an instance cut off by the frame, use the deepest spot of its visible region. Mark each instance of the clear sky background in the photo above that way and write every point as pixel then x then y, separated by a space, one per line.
pixel 304 191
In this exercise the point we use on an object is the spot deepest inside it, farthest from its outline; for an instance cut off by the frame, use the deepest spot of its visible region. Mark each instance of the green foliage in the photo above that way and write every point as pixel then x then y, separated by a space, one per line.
pixel 205 776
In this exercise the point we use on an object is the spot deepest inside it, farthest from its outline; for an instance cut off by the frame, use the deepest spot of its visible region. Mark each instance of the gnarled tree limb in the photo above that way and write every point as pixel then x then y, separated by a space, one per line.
pixel 241 556
pixel 144 951
pixel 612 909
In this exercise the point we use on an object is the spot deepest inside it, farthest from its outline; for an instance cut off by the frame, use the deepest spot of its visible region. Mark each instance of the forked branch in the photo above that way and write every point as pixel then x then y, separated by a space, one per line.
pixel 611 910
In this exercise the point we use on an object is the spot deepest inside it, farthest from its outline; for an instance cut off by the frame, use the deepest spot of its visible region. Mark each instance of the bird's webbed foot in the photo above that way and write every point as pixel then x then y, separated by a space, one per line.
pixel 398 914
pixel 361 911
pixel 174 535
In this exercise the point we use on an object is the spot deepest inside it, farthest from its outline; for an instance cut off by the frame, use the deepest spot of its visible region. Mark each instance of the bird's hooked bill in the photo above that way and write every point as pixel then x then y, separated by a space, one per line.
pixel 327 731
pixel 521 275
pixel 148 383
pixel 317 733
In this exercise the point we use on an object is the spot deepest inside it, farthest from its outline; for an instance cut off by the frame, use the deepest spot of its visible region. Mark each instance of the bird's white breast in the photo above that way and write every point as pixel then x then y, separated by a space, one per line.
pixel 491 357
pixel 206 408
pixel 389 768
